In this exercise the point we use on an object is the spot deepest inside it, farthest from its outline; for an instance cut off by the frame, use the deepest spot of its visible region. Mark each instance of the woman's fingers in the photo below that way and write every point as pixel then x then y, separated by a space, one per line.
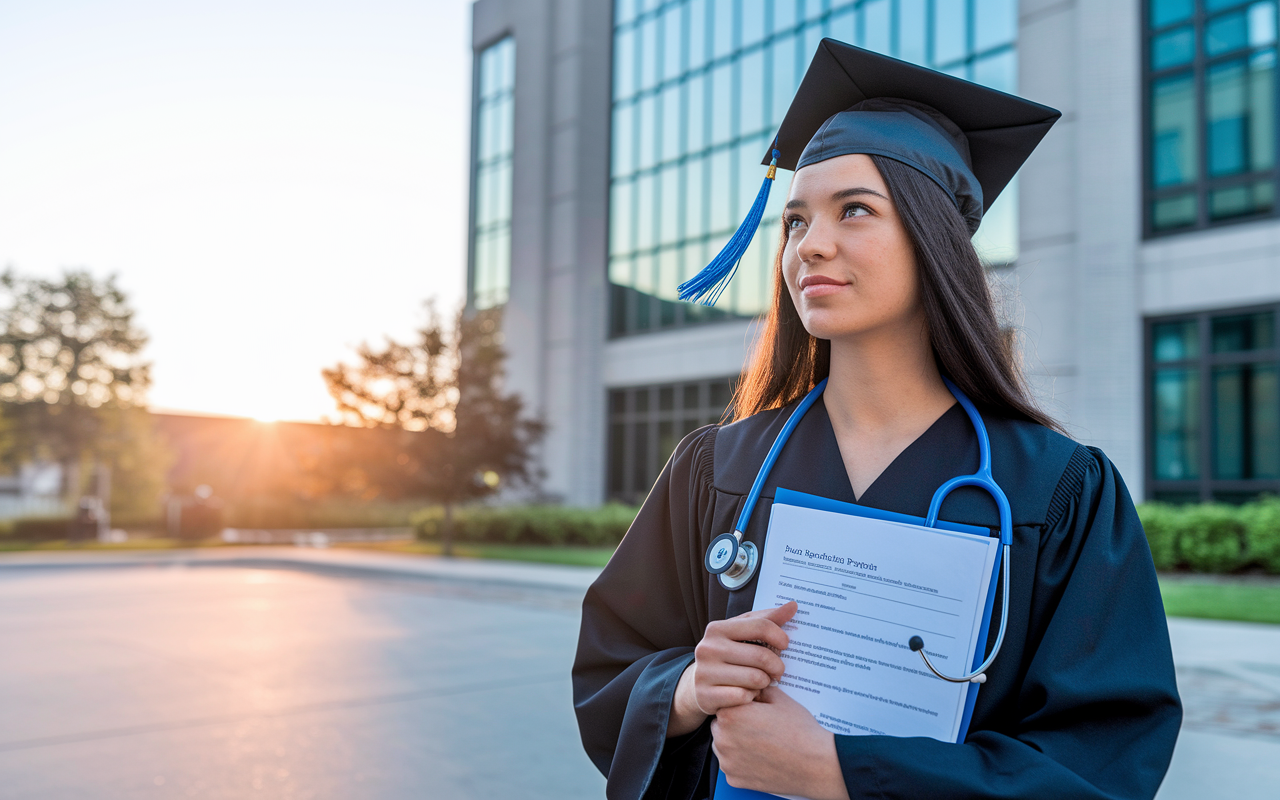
pixel 746 629
pixel 715 650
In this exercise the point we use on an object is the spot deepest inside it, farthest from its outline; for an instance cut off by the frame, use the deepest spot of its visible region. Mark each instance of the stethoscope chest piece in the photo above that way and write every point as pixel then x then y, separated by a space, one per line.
pixel 732 560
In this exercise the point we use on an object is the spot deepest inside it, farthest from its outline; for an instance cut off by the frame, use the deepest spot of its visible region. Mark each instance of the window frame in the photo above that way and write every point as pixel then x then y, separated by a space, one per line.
pixel 1206 486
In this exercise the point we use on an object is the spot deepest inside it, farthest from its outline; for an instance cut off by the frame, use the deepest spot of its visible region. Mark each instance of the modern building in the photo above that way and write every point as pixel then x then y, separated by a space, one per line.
pixel 616 146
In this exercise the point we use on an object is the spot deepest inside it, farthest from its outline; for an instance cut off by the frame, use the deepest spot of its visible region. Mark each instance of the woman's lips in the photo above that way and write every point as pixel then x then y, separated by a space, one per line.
pixel 820 285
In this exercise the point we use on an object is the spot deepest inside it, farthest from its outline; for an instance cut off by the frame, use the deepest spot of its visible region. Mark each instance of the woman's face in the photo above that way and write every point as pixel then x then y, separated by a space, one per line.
pixel 848 262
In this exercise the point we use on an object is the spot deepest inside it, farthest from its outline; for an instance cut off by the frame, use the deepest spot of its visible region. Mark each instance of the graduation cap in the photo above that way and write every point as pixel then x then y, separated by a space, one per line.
pixel 967 138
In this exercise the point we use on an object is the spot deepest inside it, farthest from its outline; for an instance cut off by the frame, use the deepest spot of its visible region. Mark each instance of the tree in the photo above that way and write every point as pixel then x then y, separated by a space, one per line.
pixel 71 374
pixel 462 437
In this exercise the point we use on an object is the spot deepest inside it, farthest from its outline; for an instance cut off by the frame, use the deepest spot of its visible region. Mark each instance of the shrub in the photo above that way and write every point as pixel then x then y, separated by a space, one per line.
pixel 546 525
pixel 1211 537
pixel 41 529
pixel 1262 534
pixel 1161 523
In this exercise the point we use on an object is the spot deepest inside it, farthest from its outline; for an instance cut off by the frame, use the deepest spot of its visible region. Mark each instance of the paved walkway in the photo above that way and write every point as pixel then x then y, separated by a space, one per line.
pixel 164 667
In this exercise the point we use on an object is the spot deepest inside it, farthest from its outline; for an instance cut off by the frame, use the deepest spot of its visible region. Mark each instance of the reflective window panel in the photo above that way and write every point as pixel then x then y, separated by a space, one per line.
pixel 491 190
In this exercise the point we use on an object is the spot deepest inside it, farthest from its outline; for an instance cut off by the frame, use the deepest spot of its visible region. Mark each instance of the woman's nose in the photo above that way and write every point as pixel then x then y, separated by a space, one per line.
pixel 818 242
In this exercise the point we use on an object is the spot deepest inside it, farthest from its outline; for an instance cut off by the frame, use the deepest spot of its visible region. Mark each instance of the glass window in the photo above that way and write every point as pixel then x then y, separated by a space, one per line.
pixel 1177 436
pixel 490 274
pixel 753 21
pixel 1226 33
pixel 1178 46
pixel 912 33
pixel 722 30
pixel 1235 422
pixel 999 71
pixel 1230 128
pixel 1173 122
pixel 647 422
pixel 1243 332
pixel 876 26
pixel 1165 12
pixel 700 84
pixel 672 52
pixel 995 23
pixel 751 94
pixel 950 30
pixel 1175 341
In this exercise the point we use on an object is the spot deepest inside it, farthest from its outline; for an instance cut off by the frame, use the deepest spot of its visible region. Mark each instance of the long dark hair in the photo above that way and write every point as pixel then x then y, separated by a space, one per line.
pixel 968 344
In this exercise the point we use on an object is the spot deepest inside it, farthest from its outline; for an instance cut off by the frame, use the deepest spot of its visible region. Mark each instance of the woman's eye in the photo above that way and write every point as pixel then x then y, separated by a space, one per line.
pixel 856 210
pixel 794 222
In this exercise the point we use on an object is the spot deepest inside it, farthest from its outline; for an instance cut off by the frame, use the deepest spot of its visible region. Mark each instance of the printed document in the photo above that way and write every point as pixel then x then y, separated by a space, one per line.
pixel 864 588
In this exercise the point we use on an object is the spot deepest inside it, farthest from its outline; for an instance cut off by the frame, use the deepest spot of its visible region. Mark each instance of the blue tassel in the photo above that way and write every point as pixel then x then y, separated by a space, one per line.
pixel 705 287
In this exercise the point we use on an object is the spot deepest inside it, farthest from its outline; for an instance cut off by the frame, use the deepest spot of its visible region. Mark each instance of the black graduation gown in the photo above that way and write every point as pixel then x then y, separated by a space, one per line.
pixel 1080 703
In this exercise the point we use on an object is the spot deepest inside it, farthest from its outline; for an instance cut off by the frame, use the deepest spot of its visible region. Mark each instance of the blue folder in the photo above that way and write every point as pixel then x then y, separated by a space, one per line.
pixel 787 497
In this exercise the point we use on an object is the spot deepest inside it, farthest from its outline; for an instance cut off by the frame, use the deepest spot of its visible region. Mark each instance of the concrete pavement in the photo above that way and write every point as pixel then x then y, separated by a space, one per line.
pixel 288 672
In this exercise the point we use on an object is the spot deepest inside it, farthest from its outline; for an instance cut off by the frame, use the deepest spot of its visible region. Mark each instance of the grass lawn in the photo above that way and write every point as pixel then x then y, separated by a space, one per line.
pixel 573 556
pixel 130 544
pixel 1221 598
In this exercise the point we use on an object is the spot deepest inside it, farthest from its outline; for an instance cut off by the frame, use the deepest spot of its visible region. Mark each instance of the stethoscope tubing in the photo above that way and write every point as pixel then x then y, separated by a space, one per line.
pixel 736 568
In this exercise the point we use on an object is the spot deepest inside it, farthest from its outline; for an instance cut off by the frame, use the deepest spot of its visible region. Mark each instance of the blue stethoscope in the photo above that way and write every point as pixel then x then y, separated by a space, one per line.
pixel 735 560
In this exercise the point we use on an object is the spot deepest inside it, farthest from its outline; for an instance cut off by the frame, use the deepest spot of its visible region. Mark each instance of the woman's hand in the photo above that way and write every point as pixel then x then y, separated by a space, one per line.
pixel 775 745
pixel 728 670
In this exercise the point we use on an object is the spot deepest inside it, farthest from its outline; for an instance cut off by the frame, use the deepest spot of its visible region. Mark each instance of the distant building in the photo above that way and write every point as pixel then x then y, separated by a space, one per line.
pixel 616 146
pixel 35 490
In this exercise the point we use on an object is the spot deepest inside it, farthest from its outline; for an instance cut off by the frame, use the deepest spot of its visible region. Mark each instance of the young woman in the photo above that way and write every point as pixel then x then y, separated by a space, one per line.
pixel 877 288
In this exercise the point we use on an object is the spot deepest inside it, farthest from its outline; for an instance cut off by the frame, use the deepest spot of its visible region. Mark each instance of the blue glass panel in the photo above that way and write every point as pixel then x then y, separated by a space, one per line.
pixel 1217 5
pixel 1178 46
pixel 671 43
pixel 1262 24
pixel 648 44
pixel 1173 212
pixel 1243 332
pixel 695 197
pixel 624 64
pixel 644 212
pixel 1240 201
pixel 696 114
pixel 785 14
pixel 1173 123
pixel 669 205
pixel 624 11
pixel 810 9
pixel 751 93
pixel 721 207
pixel 1175 341
pixel 999 71
pixel 875 26
pixel 753 21
pixel 912 34
pixel 671 122
pixel 841 26
pixel 1226 110
pixel 698 10
pixel 722 103
pixel 1226 33
pixel 1176 423
pixel 995 23
pixel 722 29
pixel 782 70
pixel 1245 417
pixel 621 220
pixel 623 138
pixel 1166 12
pixel 646 132
pixel 950 30
pixel 811 36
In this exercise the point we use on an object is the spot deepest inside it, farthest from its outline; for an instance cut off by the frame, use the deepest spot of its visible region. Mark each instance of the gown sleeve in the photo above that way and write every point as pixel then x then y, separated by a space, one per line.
pixel 1097 712
pixel 641 620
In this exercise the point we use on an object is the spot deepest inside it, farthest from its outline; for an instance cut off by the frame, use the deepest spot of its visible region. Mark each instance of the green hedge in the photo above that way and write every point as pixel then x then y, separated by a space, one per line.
pixel 1214 537
pixel 551 525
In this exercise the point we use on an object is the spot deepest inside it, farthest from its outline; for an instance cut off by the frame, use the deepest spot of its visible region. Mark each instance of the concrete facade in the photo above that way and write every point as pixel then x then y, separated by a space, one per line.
pixel 1084 281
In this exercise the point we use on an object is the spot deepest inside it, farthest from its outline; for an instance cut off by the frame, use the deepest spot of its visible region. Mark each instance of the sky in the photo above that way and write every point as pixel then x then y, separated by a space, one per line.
pixel 272 182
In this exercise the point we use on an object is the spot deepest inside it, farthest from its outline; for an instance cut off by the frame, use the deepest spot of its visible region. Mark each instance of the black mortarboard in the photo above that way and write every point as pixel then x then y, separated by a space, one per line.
pixel 968 138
